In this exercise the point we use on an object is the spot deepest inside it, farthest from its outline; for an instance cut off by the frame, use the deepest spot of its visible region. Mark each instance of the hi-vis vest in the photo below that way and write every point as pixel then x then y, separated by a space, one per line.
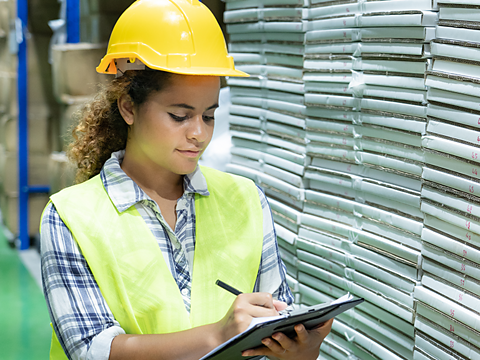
pixel 129 267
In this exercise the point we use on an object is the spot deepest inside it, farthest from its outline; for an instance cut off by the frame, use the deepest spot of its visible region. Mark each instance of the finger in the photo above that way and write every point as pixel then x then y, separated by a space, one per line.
pixel 284 341
pixel 260 299
pixel 279 305
pixel 274 346
pixel 324 330
pixel 302 333
pixel 258 351
pixel 260 311
pixel 257 304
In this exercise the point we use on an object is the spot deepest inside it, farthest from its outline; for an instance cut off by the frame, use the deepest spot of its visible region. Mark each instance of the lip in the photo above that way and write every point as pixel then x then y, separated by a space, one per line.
pixel 190 153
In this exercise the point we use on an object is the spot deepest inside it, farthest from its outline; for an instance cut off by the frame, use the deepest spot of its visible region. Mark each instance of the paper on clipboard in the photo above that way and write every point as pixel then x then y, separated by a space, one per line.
pixel 263 327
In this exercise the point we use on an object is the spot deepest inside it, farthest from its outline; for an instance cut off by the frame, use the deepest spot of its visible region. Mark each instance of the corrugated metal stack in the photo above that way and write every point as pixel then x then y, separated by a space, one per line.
pixel 447 322
pixel 366 113
pixel 267 115
pixel 382 176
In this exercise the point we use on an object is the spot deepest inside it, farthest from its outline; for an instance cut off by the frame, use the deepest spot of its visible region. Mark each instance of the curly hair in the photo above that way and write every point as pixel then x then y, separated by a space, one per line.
pixel 101 129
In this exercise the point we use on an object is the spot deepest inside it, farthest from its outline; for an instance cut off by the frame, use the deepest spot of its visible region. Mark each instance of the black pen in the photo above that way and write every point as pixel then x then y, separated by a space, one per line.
pixel 227 287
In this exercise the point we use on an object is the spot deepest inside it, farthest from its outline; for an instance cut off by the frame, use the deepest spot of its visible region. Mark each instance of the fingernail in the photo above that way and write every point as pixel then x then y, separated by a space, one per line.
pixel 265 342
pixel 246 353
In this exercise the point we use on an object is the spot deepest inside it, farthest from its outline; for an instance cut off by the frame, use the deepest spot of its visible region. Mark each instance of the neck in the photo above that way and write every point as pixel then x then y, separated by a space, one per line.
pixel 154 180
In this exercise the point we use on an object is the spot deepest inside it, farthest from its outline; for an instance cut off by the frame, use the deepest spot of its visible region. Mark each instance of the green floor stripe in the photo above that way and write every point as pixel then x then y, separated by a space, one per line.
pixel 25 325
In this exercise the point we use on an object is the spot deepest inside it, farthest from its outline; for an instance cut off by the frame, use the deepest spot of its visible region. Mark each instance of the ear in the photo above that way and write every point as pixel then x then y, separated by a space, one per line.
pixel 126 108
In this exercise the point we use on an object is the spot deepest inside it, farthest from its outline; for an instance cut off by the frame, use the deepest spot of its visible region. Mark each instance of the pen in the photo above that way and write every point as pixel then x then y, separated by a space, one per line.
pixel 228 287
pixel 237 292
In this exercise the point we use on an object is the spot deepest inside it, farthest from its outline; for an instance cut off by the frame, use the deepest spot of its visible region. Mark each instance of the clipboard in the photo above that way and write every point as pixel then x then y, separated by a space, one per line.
pixel 261 328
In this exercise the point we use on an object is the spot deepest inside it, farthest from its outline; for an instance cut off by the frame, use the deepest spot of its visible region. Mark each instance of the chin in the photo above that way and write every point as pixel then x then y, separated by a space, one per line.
pixel 187 168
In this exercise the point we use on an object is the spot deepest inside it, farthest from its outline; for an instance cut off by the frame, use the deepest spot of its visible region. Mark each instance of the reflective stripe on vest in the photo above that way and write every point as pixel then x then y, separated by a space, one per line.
pixel 129 267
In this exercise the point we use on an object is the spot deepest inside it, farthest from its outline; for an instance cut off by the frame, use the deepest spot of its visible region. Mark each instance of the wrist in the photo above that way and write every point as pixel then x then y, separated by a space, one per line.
pixel 216 337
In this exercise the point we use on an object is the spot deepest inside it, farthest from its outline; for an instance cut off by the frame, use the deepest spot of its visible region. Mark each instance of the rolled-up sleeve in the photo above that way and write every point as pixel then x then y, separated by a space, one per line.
pixel 272 272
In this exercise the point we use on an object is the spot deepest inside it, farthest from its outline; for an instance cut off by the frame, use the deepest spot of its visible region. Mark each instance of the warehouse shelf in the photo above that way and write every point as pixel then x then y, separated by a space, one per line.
pixel 25 189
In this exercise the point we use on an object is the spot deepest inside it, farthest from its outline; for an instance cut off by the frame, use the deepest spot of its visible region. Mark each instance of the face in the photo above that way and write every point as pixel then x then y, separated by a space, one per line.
pixel 172 129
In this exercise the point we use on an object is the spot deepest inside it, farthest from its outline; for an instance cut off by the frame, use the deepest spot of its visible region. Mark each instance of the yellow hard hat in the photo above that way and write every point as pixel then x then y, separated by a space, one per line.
pixel 179 36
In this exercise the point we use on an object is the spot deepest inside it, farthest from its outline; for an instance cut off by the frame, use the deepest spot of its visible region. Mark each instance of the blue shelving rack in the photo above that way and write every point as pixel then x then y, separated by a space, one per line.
pixel 73 36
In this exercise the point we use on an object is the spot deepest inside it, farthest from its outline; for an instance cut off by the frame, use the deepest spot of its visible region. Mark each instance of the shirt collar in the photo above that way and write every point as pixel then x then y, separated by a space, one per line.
pixel 124 192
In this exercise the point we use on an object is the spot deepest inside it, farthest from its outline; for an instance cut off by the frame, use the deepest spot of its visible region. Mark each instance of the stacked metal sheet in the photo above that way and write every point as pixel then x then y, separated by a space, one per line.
pixel 267 115
pixel 447 321
pixel 366 114
pixel 365 177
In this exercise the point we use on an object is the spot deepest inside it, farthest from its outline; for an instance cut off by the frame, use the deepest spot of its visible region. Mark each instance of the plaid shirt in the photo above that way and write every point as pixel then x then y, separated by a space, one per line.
pixel 83 322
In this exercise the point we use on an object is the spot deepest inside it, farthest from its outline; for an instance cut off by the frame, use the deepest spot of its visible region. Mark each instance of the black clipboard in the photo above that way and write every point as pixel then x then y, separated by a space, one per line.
pixel 310 317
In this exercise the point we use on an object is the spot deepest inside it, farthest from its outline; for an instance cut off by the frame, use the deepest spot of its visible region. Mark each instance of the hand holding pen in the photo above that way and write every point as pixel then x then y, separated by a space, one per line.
pixel 244 308
pixel 279 305
pixel 305 345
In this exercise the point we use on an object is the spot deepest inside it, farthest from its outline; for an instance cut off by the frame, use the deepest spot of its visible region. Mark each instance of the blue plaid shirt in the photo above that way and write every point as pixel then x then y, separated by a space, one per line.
pixel 83 322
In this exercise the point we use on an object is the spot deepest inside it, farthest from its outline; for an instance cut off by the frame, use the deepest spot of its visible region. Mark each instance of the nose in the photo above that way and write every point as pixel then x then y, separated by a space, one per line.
pixel 198 130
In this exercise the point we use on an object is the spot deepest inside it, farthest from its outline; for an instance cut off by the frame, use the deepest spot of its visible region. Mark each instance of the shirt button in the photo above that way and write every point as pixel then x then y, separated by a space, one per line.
pixel 185 292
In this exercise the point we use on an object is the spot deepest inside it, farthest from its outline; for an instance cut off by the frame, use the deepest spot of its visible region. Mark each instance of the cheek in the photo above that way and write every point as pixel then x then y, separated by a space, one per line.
pixel 156 128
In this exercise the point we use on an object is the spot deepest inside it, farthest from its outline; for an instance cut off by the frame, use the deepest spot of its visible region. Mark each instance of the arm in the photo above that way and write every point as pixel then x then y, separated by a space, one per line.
pixel 306 344
pixel 271 276
pixel 194 343
pixel 80 316
pixel 86 327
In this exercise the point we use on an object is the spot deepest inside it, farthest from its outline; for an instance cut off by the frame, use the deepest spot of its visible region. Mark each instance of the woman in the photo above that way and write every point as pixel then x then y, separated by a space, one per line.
pixel 130 255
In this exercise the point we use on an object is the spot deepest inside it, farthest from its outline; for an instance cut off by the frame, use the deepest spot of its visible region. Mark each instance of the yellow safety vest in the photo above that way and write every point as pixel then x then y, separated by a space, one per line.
pixel 129 267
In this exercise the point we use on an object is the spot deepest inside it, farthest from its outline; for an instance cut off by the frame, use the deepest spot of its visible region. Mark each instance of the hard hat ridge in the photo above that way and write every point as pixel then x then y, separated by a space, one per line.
pixel 192 41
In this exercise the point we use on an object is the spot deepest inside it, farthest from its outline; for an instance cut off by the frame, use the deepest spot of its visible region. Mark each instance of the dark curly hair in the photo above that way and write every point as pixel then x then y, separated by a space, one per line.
pixel 100 128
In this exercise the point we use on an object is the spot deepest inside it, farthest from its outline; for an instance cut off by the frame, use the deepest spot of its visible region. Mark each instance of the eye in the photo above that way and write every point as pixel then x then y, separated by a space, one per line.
pixel 178 118
pixel 208 118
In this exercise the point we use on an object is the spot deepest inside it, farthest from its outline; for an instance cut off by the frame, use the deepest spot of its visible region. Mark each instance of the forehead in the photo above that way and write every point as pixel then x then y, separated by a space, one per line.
pixel 190 89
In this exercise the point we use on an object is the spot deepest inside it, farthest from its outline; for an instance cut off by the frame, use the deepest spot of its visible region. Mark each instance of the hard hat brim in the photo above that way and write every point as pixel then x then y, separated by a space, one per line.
pixel 107 66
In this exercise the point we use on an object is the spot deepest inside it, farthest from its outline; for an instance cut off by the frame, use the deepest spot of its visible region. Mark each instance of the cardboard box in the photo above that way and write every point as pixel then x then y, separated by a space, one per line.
pixel 268 14
pixel 8 89
pixel 61 172
pixel 9 207
pixel 272 26
pixel 73 70
pixel 5 16
pixel 8 61
pixel 101 6
pixel 458 86
pixel 460 34
pixel 453 277
pixel 397 150
pixel 445 258
pixel 452 201
pixel 38 138
pixel 383 333
pixel 96 28
pixel 68 119
pixel 450 244
pixel 37 171
pixel 448 307
pixel 40 88
pixel 455 51
pixel 444 337
pixel 454 115
pixel 40 13
pixel 448 323
pixel 267 37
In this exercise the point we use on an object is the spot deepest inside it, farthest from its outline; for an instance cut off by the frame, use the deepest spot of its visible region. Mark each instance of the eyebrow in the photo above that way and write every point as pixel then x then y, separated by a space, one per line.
pixel 190 107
